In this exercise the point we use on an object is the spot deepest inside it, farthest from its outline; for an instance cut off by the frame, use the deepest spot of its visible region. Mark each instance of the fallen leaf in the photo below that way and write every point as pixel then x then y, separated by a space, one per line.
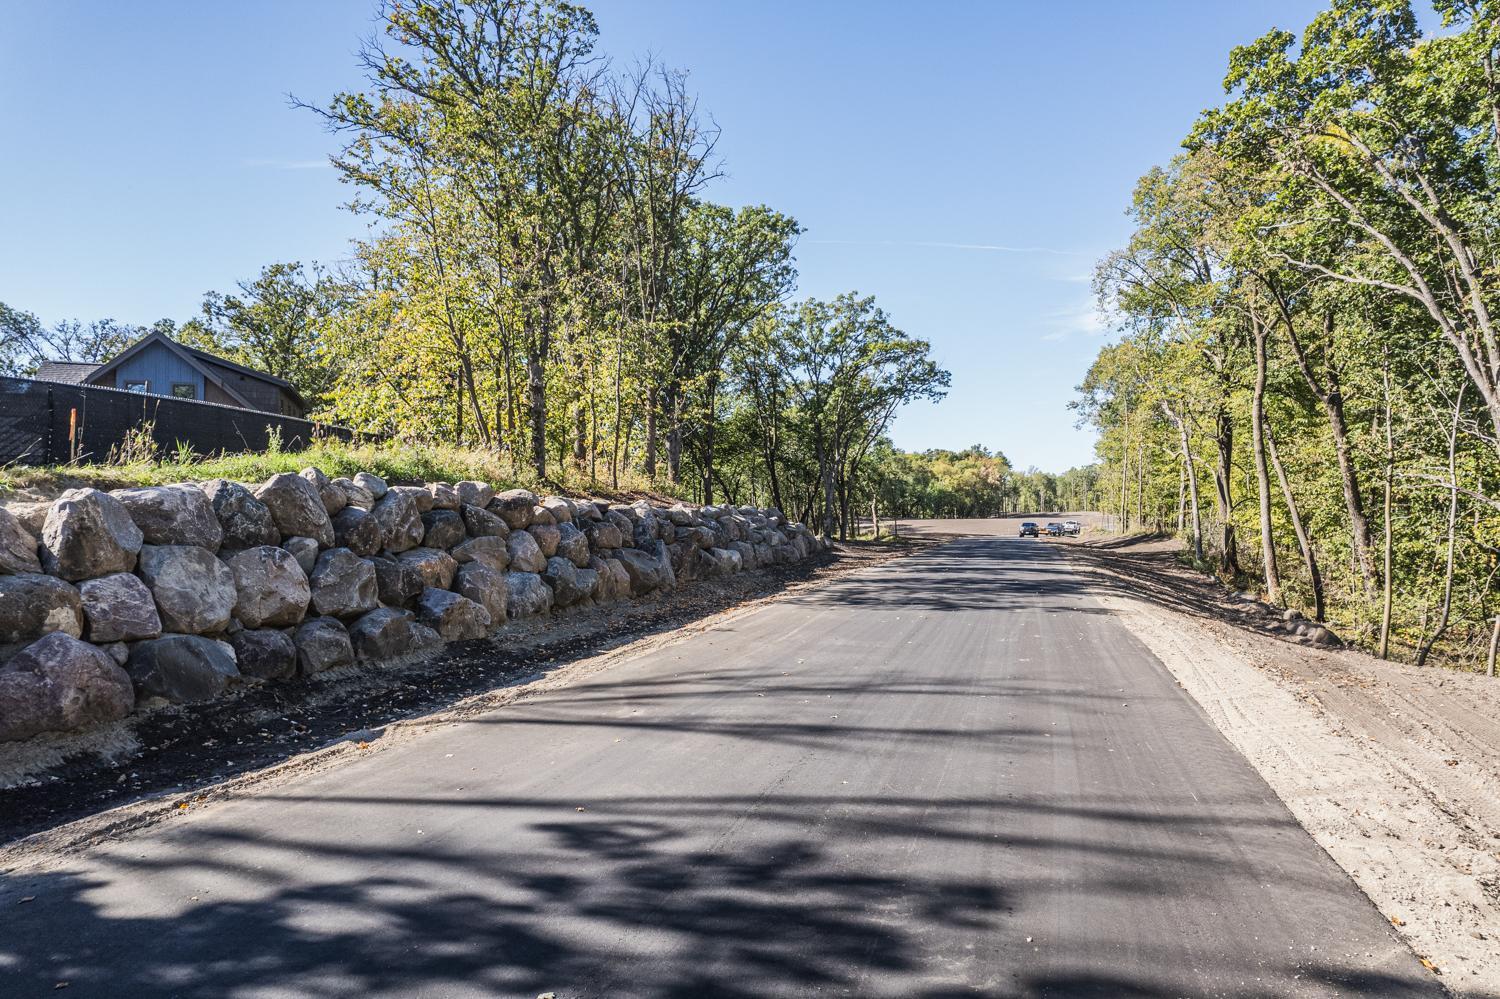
pixel 1397 921
pixel 1430 966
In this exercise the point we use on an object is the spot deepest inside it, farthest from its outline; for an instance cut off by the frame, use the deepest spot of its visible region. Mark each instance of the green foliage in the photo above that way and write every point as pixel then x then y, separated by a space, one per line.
pixel 1309 336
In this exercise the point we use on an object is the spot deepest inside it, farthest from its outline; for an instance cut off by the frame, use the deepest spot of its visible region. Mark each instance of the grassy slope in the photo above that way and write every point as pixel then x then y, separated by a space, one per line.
pixel 396 463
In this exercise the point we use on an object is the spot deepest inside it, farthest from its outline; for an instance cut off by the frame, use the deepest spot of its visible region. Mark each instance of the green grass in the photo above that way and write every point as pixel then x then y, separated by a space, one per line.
pixel 396 463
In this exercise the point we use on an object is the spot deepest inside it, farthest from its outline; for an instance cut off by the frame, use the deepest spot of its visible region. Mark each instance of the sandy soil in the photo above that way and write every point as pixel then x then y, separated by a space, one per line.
pixel 1395 771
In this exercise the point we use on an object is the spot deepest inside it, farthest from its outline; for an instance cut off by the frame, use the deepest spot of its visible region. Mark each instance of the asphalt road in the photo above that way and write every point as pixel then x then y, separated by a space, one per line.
pixel 950 775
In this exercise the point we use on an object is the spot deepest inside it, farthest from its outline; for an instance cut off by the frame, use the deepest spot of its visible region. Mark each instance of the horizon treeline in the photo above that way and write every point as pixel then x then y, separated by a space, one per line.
pixel 1308 385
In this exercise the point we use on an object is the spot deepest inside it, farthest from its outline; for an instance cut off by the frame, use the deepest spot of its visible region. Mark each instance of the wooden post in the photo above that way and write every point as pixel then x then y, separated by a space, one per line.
pixel 72 434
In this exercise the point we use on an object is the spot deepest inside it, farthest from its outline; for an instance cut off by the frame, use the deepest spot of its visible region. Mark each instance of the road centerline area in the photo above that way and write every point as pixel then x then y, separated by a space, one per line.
pixel 950 774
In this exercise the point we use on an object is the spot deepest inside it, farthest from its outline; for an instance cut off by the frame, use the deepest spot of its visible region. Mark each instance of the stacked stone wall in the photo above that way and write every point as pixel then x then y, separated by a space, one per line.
pixel 114 601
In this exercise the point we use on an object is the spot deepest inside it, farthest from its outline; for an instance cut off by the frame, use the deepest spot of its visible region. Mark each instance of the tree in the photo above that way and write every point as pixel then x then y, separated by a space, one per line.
pixel 274 324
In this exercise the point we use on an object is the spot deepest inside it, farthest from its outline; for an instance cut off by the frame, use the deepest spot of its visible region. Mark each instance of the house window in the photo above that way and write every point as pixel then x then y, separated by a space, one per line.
pixel 184 390
pixel 141 386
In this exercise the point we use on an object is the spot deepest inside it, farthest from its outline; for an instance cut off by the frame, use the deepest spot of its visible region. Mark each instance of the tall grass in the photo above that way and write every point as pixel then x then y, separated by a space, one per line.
pixel 394 462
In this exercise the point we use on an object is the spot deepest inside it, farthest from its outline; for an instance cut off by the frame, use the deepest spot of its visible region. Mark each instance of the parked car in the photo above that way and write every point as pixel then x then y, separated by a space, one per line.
pixel 1029 530
pixel 1054 530
pixel 1072 528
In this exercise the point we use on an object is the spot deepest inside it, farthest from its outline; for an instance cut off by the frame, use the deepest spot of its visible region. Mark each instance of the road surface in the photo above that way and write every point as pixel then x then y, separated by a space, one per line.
pixel 948 775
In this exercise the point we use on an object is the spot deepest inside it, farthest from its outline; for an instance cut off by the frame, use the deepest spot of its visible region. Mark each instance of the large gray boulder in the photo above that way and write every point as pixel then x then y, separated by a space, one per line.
pixel 492 551
pixel 272 589
pixel 561 509
pixel 118 608
pixel 746 552
pixel 564 579
pixel 486 587
pixel 603 535
pixel 355 494
pixel 420 497
pixel 265 653
pixel 305 551
pixel 525 554
pixel 647 572
pixel 88 533
pixel 386 633
pixel 453 616
pixel 514 507
pixel 32 605
pixel 443 528
pixel 371 483
pixel 182 668
pixel 399 583
pixel 541 515
pixel 193 590
pixel 444 496
pixel 297 507
pixel 528 595
pixel 173 515
pixel 322 643
pixel 332 496
pixel 572 544
pixel 244 520
pixel 17 546
pixel 343 584
pixel 476 494
pixel 436 567
pixel 400 522
pixel 59 684
pixel 614 581
pixel 357 529
pixel 547 537
pixel 481 523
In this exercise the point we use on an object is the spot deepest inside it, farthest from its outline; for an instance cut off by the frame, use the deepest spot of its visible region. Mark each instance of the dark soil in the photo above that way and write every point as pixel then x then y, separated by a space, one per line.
pixel 185 748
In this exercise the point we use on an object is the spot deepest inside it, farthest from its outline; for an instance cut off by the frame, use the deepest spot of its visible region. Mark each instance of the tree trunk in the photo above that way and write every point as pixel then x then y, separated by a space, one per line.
pixel 536 387
pixel 1262 477
pixel 1185 444
pixel 1390 456
pixel 651 433
pixel 1304 543
pixel 825 472
pixel 1447 607
pixel 1359 523
pixel 674 433
pixel 1229 556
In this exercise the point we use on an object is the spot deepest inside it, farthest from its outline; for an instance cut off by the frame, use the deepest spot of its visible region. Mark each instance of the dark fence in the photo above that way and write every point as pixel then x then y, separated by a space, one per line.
pixel 50 423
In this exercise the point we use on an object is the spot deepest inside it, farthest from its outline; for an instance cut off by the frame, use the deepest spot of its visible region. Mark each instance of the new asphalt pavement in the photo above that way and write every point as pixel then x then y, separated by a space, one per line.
pixel 948 775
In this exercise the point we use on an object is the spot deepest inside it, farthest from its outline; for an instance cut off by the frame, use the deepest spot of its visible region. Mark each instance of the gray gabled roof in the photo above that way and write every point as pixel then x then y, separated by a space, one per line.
pixel 188 356
pixel 282 383
pixel 66 372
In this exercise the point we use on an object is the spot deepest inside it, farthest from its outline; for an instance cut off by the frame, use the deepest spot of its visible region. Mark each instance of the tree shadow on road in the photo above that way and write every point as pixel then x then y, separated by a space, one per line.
pixel 633 896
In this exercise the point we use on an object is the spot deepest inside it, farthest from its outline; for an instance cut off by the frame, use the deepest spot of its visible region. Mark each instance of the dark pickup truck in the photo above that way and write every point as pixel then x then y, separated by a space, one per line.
pixel 1030 530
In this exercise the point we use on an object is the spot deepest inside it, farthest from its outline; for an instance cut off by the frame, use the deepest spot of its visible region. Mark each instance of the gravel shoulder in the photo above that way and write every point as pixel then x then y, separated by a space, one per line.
pixel 60 792
pixel 1394 770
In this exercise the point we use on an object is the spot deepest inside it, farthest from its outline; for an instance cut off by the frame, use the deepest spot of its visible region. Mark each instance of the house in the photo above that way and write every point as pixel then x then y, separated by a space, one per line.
pixel 159 365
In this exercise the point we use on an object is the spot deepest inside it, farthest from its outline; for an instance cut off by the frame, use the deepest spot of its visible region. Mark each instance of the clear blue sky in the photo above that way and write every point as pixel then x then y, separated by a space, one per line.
pixel 964 162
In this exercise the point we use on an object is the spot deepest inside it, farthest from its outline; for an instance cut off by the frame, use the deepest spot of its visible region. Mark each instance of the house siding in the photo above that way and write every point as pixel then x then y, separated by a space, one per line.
pixel 160 368
pixel 260 394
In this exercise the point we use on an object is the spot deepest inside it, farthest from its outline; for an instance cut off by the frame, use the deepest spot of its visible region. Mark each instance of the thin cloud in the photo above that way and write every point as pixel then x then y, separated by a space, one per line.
pixel 932 244
pixel 289 164
pixel 1081 320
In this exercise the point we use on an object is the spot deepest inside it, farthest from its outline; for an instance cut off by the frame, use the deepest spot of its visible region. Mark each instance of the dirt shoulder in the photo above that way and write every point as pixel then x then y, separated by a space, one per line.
pixel 123 775
pixel 1394 770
